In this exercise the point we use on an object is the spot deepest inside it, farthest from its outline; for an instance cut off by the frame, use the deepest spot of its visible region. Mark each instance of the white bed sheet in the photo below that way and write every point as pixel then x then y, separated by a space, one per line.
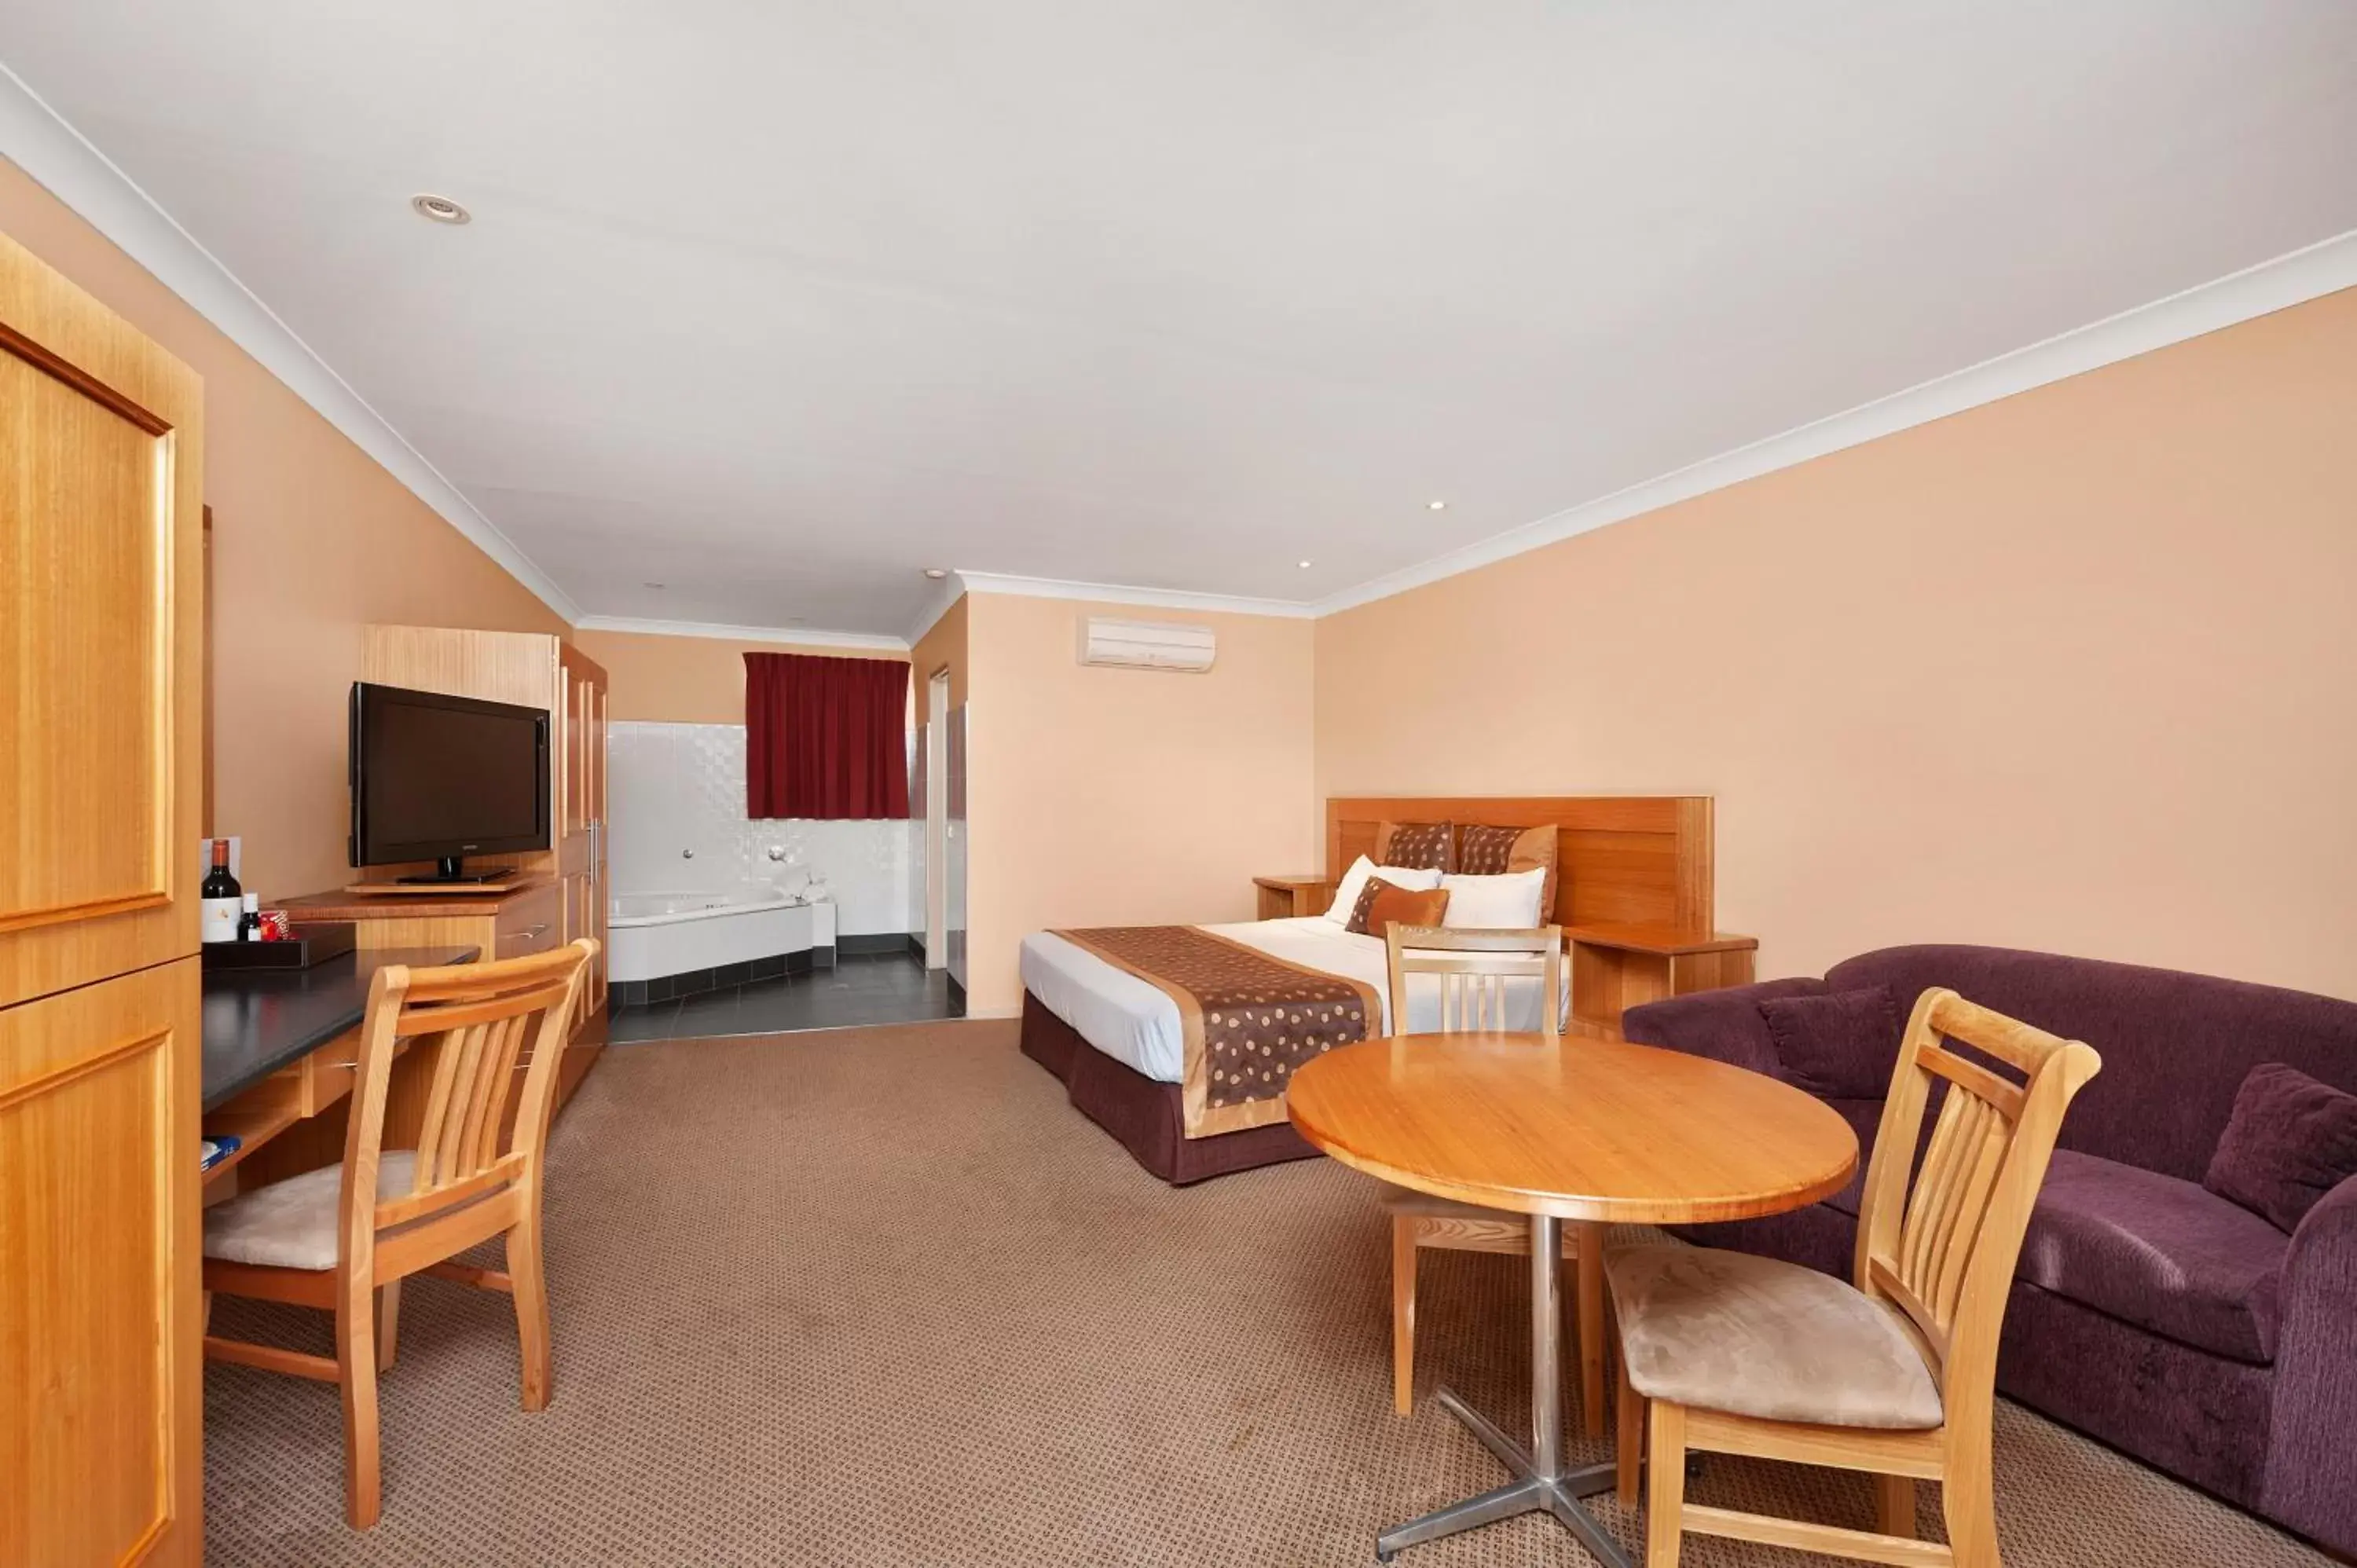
pixel 1135 1023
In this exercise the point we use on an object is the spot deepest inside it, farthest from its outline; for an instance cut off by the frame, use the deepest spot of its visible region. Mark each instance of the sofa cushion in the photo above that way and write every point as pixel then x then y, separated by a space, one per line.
pixel 2175 1047
pixel 2158 1252
pixel 1837 1045
pixel 2291 1141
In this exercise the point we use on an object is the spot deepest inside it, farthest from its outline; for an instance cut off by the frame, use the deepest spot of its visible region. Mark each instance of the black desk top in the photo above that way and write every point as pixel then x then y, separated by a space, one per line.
pixel 257 1021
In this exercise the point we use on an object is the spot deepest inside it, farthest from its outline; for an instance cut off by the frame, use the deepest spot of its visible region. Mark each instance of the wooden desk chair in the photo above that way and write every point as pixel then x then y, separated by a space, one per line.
pixel 1737 1354
pixel 1475 968
pixel 344 1237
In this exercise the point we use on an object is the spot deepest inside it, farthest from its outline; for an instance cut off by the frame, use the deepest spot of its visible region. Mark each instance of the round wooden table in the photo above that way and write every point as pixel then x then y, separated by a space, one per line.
pixel 1590 1130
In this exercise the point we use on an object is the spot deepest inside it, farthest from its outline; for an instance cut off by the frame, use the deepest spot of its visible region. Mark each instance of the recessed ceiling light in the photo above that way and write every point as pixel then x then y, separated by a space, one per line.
pixel 440 209
pixel 936 573
pixel 1305 565
pixel 1436 506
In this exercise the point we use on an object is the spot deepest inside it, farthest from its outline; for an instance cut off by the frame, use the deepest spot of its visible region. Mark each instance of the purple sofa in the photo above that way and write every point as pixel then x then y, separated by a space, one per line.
pixel 2146 1311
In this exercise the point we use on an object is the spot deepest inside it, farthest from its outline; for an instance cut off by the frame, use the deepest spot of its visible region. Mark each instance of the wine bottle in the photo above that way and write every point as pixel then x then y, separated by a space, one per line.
pixel 222 899
pixel 249 919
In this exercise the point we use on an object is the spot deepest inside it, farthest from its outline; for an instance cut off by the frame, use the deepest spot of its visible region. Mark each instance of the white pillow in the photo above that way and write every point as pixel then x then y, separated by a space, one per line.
pixel 1501 902
pixel 1355 882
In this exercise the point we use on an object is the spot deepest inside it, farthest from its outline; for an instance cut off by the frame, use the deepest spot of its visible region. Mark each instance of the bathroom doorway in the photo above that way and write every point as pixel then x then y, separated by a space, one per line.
pixel 934 739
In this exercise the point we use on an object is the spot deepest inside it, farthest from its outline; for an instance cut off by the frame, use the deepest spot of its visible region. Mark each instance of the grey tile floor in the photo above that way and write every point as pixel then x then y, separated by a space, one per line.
pixel 880 988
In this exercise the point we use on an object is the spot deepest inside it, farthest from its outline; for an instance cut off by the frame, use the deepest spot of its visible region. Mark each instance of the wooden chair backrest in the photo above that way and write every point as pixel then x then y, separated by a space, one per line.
pixel 1943 1251
pixel 1474 967
pixel 477 1019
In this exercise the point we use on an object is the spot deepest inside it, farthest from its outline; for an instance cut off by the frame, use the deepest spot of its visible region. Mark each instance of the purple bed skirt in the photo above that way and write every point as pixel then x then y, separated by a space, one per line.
pixel 1146 1117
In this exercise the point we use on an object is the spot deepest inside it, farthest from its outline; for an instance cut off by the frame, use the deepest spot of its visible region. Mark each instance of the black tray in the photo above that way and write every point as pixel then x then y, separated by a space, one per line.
pixel 312 944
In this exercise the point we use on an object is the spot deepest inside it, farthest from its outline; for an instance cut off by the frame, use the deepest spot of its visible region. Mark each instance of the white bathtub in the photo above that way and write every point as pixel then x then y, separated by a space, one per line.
pixel 651 936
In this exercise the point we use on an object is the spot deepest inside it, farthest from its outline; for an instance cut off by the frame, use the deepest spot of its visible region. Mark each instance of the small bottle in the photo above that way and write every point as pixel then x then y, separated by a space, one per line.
pixel 221 899
pixel 249 919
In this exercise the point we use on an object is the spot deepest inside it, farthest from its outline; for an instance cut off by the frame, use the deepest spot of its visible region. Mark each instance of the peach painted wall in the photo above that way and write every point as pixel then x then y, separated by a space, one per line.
pixel 684 680
pixel 311 542
pixel 1114 797
pixel 2073 670
pixel 943 647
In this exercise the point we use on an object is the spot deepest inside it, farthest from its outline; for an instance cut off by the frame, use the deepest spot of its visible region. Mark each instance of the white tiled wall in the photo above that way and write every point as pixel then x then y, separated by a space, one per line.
pixel 675 788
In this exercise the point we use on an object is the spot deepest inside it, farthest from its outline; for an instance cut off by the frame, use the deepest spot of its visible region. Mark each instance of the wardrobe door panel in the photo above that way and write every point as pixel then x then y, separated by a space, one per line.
pixel 100 1458
pixel 100 549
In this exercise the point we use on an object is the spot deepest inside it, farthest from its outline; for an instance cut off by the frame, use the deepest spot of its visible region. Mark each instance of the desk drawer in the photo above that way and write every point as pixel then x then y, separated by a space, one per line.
pixel 327 1072
pixel 318 1081
pixel 530 924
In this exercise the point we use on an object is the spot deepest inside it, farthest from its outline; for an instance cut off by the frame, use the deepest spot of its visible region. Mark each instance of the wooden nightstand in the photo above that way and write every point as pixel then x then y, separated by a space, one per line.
pixel 1617 967
pixel 1282 897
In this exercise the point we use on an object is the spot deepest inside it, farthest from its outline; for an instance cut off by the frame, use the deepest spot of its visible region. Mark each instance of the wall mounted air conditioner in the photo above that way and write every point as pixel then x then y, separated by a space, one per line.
pixel 1145 645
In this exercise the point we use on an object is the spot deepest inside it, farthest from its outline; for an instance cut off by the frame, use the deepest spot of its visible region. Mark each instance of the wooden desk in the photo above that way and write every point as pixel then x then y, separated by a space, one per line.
pixel 1615 968
pixel 278 1046
pixel 1284 898
pixel 1587 1130
pixel 527 919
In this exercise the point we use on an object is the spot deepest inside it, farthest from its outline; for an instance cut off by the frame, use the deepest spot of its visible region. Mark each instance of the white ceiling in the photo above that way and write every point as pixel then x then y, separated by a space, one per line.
pixel 779 303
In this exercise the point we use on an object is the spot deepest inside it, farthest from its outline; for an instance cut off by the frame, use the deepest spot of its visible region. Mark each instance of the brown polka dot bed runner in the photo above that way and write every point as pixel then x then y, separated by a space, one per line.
pixel 1248 1019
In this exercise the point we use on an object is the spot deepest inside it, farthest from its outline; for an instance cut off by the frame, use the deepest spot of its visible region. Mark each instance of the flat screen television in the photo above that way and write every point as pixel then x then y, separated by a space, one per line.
pixel 438 777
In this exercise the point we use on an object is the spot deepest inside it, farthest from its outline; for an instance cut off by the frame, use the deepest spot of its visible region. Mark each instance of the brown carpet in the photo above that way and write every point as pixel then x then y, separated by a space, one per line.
pixel 879 1297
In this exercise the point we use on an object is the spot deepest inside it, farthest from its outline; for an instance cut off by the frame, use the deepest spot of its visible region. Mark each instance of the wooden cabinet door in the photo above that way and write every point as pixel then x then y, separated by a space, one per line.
pixel 581 811
pixel 101 555
pixel 102 1420
pixel 102 458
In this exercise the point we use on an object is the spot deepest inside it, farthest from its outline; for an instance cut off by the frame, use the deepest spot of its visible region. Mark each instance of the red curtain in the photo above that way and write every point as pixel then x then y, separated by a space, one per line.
pixel 825 738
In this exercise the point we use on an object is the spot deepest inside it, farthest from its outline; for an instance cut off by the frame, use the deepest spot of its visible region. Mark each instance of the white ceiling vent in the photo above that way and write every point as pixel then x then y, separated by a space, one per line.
pixel 1144 645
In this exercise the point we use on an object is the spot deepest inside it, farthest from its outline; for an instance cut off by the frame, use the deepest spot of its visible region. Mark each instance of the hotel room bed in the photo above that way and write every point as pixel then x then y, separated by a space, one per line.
pixel 1193 1088
pixel 1136 1024
pixel 1117 1041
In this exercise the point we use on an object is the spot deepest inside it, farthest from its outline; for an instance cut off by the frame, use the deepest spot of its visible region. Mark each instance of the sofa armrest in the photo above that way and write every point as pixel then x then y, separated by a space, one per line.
pixel 2311 1476
pixel 1724 1024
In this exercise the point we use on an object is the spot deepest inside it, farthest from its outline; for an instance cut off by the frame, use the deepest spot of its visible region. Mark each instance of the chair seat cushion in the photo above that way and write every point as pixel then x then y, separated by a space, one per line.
pixel 2159 1252
pixel 291 1224
pixel 1750 1336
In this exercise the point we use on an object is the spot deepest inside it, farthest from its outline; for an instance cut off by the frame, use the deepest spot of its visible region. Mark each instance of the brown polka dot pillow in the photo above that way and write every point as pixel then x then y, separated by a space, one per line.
pixel 1502 852
pixel 1420 847
pixel 1380 904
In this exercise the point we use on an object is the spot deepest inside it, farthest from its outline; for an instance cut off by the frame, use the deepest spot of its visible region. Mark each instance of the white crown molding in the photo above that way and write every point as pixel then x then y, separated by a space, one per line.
pixel 939 597
pixel 1153 598
pixel 795 636
pixel 38 140
pixel 2310 273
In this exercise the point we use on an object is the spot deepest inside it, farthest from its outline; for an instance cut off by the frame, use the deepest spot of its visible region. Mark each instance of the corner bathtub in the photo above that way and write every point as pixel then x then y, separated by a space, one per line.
pixel 689 935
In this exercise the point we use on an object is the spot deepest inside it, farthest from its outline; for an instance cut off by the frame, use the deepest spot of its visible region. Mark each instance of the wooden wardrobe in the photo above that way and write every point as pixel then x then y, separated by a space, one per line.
pixel 102 480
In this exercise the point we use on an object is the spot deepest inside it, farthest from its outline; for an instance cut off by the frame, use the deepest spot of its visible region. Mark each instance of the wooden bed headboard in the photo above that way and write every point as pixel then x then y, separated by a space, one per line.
pixel 1642 860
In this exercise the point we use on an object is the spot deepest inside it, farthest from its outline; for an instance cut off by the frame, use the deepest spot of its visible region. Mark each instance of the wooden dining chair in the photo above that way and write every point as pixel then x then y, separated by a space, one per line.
pixel 1474 967
pixel 344 1237
pixel 1895 1375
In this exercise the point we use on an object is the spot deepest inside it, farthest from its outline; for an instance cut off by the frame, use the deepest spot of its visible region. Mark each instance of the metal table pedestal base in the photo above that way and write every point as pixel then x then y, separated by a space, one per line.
pixel 1541 1484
